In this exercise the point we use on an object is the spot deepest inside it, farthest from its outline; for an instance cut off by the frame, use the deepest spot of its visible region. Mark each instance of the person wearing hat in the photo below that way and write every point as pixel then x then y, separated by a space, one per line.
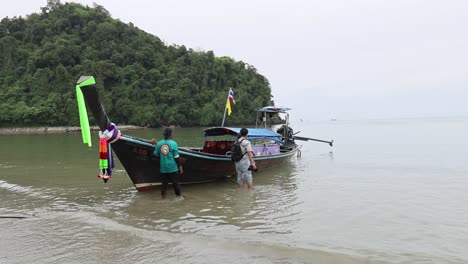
pixel 170 167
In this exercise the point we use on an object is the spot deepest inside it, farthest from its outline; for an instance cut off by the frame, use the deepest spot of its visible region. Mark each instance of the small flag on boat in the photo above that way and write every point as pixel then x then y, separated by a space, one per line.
pixel 228 106
pixel 228 102
pixel 231 96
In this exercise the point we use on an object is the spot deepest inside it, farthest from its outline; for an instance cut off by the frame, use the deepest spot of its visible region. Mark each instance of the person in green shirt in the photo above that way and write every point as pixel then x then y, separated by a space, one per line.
pixel 167 151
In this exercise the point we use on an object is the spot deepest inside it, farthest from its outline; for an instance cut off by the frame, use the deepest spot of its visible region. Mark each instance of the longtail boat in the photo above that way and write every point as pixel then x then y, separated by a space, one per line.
pixel 206 163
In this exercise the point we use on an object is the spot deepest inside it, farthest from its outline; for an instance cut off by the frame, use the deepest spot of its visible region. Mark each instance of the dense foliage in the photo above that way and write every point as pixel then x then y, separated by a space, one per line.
pixel 141 80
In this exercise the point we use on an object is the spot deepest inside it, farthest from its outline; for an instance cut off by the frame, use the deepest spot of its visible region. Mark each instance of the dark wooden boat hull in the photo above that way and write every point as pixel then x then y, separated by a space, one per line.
pixel 136 155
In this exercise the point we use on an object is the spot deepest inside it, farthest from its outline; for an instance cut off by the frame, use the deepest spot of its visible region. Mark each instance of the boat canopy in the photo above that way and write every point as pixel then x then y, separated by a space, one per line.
pixel 254 133
pixel 273 109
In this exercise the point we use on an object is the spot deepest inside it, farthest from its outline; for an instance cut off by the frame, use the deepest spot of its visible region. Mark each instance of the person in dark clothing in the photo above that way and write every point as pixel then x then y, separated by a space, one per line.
pixel 167 151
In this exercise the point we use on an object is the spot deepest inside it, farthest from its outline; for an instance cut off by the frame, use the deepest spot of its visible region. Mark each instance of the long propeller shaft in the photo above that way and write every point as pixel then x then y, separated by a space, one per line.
pixel 313 139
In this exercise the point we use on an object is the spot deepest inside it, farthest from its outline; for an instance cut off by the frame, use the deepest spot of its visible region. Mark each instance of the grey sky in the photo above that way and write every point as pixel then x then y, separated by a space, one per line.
pixel 339 59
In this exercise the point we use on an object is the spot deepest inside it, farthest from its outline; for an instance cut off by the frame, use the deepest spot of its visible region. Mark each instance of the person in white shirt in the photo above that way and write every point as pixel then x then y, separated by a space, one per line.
pixel 242 166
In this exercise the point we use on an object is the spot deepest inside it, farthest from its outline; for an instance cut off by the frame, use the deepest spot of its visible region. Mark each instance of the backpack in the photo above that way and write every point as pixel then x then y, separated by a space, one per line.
pixel 236 151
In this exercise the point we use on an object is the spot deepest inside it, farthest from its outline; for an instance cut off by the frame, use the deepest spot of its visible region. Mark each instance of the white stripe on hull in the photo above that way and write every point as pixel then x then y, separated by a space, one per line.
pixel 143 185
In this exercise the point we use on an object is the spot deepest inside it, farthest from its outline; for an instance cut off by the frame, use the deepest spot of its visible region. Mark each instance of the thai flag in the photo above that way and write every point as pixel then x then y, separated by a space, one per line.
pixel 231 96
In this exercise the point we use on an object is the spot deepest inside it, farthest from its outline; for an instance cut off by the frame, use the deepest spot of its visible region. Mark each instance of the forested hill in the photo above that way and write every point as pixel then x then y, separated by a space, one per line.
pixel 141 79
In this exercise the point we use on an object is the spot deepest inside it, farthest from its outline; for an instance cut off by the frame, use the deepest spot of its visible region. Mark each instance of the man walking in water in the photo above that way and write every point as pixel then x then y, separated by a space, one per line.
pixel 167 151
pixel 242 166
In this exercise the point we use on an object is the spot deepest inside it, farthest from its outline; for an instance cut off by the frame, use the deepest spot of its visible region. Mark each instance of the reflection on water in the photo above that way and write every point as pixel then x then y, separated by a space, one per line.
pixel 270 207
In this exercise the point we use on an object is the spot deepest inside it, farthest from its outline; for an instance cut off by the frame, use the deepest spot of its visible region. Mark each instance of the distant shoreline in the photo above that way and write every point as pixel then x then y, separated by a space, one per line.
pixel 58 129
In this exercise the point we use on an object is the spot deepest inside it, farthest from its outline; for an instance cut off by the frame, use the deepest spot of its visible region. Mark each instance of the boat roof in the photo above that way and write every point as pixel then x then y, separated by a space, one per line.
pixel 273 109
pixel 254 133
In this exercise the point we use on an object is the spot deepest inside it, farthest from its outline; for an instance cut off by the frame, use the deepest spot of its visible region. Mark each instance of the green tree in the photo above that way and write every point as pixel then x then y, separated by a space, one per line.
pixel 140 79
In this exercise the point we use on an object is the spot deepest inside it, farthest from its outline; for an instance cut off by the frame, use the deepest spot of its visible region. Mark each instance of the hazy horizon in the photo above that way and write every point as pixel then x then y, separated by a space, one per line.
pixel 333 59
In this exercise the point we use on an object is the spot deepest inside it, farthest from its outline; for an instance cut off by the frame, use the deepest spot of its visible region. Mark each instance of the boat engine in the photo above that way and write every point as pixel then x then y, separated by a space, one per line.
pixel 285 131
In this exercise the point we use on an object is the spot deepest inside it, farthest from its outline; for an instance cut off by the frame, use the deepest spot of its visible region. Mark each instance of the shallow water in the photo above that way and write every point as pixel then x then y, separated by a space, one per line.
pixel 389 191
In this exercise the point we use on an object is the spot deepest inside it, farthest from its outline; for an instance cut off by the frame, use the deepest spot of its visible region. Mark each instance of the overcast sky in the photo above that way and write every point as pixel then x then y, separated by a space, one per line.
pixel 340 59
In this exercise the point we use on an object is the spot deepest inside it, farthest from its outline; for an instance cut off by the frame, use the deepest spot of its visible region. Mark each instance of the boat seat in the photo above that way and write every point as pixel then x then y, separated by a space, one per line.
pixel 218 147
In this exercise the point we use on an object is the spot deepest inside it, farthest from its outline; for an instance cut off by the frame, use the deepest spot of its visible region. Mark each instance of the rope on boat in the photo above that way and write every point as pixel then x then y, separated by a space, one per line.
pixel 299 153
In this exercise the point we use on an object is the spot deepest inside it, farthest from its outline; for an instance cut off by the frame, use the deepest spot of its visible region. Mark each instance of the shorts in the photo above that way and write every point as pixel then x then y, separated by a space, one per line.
pixel 243 170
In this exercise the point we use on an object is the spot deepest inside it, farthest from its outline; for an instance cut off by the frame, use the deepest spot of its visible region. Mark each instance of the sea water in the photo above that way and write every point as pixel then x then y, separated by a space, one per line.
pixel 388 191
